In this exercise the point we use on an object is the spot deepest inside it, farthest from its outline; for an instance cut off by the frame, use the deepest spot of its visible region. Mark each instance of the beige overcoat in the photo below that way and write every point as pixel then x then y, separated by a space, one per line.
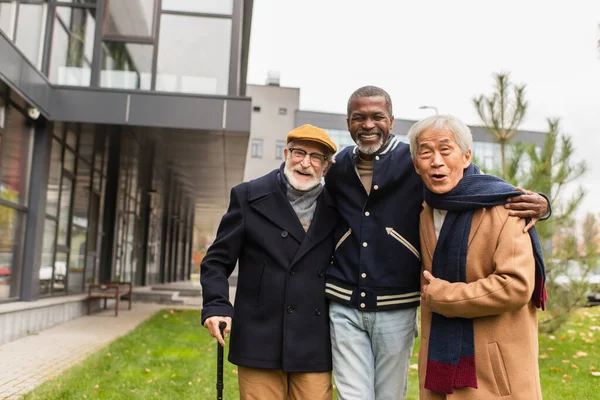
pixel 497 295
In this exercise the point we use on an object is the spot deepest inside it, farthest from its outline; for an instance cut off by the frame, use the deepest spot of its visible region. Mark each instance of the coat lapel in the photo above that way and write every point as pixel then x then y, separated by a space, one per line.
pixel 321 226
pixel 428 230
pixel 476 223
pixel 268 199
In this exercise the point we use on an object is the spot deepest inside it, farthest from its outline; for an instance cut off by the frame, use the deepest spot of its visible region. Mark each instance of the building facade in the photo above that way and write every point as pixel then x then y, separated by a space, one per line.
pixel 274 111
pixel 123 126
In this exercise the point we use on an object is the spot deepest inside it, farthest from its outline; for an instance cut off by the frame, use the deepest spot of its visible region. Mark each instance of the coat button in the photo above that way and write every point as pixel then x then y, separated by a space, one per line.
pixel 290 309
pixel 320 273
pixel 284 234
pixel 362 305
pixel 375 187
pixel 362 294
pixel 292 272
pixel 317 312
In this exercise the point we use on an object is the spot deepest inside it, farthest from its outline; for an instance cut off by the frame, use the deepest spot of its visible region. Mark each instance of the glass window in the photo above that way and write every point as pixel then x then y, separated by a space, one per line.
pixel 82 2
pixel 65 208
pixel 279 146
pixel 126 65
pixel 193 54
pixel 11 241
pixel 82 194
pixel 97 181
pixel 60 273
pixel 2 110
pixel 8 12
pixel 69 162
pixel 72 46
pixel 48 246
pixel 31 29
pixel 199 6
pixel 132 18
pixel 54 179
pixel 256 148
pixel 77 257
pixel 86 142
pixel 71 138
pixel 15 163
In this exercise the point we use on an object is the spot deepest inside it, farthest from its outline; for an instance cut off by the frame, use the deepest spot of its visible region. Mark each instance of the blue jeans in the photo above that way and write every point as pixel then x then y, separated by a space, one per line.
pixel 371 351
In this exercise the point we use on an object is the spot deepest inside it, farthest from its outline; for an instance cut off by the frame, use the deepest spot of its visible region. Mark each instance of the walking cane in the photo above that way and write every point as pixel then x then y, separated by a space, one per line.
pixel 222 326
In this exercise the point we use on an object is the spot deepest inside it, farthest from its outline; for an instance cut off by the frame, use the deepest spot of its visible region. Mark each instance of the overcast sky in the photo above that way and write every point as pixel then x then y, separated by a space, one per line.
pixel 440 53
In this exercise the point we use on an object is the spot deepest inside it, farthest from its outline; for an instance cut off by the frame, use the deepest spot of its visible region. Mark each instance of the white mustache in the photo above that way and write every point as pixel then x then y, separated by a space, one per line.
pixel 308 171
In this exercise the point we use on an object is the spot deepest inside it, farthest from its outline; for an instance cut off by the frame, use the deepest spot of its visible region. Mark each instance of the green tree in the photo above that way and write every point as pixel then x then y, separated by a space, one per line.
pixel 502 112
pixel 569 260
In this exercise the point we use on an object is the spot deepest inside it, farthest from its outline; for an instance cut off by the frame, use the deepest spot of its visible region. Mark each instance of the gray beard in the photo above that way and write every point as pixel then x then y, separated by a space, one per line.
pixel 368 150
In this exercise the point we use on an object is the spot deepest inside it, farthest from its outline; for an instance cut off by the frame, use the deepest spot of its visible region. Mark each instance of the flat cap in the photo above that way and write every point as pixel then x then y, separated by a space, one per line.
pixel 313 134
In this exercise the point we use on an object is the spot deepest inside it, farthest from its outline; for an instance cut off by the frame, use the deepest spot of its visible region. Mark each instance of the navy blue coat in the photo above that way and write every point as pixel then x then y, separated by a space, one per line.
pixel 280 319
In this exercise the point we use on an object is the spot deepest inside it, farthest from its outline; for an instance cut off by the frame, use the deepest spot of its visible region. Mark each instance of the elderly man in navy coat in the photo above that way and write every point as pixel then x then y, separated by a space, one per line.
pixel 279 227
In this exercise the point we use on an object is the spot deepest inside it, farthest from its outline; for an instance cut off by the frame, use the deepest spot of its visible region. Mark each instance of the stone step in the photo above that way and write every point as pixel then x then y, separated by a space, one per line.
pixel 183 291
pixel 157 296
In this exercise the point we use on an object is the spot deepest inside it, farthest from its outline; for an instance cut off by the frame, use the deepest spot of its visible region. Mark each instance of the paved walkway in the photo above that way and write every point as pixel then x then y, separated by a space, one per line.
pixel 29 361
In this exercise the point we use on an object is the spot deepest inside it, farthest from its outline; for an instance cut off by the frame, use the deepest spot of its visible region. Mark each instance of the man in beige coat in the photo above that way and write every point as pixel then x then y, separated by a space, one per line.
pixel 481 283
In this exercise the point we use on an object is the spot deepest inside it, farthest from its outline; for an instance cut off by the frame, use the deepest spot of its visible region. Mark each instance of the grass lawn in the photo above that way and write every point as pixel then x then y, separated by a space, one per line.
pixel 171 356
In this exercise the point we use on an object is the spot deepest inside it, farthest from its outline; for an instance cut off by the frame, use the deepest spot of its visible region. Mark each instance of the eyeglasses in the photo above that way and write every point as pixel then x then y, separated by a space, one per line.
pixel 316 159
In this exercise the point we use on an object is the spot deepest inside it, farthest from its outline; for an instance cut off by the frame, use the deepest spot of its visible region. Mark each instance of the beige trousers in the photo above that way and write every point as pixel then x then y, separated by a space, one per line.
pixel 274 384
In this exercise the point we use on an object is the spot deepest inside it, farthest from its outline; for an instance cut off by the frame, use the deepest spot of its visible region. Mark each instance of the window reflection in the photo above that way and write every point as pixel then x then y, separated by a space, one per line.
pixel 126 65
pixel 48 246
pixel 199 6
pixel 31 30
pixel 65 207
pixel 86 142
pixel 11 241
pixel 193 54
pixel 15 163
pixel 134 18
pixel 8 13
pixel 72 46
pixel 54 179
pixel 2 110
pixel 60 273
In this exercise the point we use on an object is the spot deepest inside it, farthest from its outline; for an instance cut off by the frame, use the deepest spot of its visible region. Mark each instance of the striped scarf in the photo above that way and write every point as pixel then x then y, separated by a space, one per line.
pixel 451 356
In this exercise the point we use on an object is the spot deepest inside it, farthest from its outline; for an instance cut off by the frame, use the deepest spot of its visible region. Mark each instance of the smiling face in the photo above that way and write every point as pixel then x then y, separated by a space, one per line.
pixel 302 173
pixel 439 160
pixel 369 123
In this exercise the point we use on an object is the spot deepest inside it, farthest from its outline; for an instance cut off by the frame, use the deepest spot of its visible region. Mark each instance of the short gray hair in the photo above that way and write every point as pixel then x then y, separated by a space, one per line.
pixel 370 91
pixel 462 133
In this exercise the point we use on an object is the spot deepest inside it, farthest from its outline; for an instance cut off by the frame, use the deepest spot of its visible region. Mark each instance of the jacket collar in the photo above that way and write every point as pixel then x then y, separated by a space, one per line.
pixel 266 196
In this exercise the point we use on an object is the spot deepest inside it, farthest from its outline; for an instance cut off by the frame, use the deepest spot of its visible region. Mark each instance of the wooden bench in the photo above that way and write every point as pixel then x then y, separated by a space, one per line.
pixel 109 290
